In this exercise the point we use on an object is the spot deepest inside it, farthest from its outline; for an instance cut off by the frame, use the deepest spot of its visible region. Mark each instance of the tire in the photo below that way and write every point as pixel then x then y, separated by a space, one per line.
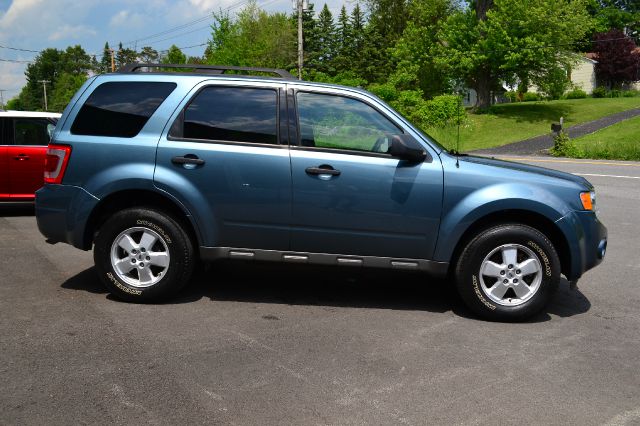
pixel 520 261
pixel 143 255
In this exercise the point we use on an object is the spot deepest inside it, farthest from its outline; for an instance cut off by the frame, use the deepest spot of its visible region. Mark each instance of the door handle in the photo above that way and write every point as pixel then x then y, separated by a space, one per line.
pixel 21 157
pixel 324 169
pixel 188 159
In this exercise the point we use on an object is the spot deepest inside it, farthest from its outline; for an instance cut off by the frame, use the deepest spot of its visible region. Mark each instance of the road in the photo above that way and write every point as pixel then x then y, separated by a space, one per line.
pixel 266 345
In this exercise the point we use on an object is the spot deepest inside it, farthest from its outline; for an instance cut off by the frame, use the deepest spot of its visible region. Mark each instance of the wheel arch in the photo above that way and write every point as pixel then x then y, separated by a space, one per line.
pixel 520 217
pixel 137 198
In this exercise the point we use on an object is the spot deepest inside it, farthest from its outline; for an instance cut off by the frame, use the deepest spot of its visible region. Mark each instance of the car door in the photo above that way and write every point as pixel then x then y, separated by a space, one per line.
pixel 349 195
pixel 227 161
pixel 4 161
pixel 26 155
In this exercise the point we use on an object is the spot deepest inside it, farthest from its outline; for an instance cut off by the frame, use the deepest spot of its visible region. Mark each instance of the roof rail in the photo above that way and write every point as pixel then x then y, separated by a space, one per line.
pixel 206 69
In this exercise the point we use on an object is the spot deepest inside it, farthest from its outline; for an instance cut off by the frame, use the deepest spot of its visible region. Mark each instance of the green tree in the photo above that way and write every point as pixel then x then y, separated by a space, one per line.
pixel 413 52
pixel 148 55
pixel 174 56
pixel 66 86
pixel 254 38
pixel 125 56
pixel 105 62
pixel 495 41
pixel 342 61
pixel 322 57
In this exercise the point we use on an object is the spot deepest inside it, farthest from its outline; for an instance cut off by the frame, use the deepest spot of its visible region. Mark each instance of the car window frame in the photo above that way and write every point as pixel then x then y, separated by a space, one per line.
pixel 280 97
pixel 296 114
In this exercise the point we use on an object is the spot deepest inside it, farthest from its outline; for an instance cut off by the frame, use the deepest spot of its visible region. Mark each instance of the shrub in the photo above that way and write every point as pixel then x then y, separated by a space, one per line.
pixel 511 95
pixel 615 93
pixel 563 146
pixel 387 92
pixel 630 93
pixel 599 92
pixel 576 94
pixel 530 97
pixel 443 110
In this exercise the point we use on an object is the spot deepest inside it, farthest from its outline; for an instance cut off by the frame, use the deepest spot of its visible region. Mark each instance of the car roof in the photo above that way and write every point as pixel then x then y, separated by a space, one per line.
pixel 30 114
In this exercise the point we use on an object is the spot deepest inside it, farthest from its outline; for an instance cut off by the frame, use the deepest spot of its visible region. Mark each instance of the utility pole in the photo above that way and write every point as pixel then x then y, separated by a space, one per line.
pixel 2 98
pixel 44 87
pixel 113 60
pixel 300 6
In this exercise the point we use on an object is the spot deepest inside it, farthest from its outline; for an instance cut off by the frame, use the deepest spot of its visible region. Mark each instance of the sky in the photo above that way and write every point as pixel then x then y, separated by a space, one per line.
pixel 39 24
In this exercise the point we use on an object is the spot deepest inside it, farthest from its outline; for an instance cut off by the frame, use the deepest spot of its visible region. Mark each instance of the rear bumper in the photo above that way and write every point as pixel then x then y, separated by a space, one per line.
pixel 62 212
pixel 587 238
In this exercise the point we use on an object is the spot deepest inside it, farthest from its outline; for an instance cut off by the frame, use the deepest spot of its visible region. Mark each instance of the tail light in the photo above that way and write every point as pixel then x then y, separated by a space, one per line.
pixel 55 163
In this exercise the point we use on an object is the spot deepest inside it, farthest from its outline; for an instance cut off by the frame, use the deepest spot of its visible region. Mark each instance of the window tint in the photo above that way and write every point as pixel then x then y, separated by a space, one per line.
pixel 30 131
pixel 232 114
pixel 328 121
pixel 120 109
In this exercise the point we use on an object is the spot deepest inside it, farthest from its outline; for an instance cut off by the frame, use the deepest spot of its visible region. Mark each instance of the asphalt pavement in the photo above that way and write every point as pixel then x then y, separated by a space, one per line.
pixel 262 345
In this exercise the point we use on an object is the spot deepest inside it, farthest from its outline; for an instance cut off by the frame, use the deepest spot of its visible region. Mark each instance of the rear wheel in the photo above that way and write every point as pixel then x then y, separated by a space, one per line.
pixel 143 255
pixel 508 273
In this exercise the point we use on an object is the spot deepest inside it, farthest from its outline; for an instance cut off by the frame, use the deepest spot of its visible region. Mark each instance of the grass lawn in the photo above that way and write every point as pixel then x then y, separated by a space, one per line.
pixel 618 142
pixel 508 123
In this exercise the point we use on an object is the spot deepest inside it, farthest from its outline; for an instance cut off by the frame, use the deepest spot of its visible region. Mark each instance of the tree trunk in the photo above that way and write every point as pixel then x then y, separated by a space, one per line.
pixel 483 89
pixel 482 6
pixel 483 77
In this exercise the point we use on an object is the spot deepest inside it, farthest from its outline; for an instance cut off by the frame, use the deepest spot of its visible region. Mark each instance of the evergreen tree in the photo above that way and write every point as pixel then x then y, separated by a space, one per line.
pixel 322 57
pixel 344 53
pixel 105 62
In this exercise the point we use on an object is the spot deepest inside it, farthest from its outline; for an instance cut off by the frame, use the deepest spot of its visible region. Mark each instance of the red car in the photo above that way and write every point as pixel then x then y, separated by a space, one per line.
pixel 24 137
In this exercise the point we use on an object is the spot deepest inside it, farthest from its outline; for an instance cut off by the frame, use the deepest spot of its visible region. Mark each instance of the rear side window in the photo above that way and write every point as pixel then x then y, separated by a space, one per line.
pixel 31 131
pixel 231 114
pixel 120 109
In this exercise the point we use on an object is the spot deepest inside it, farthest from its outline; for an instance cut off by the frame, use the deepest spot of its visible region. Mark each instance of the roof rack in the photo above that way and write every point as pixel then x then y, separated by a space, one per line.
pixel 206 69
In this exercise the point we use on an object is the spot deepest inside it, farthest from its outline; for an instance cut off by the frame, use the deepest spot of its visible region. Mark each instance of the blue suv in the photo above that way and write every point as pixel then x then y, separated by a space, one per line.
pixel 158 170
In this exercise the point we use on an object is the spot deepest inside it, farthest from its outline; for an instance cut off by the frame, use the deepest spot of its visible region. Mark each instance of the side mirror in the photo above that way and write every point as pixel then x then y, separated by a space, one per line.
pixel 407 148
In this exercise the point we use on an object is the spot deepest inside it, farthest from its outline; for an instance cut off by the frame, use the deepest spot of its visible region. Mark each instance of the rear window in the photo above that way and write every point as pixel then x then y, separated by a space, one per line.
pixel 120 109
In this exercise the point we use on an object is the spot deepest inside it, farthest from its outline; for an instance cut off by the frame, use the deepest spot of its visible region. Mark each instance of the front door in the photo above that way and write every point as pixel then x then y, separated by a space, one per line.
pixel 223 158
pixel 26 155
pixel 349 195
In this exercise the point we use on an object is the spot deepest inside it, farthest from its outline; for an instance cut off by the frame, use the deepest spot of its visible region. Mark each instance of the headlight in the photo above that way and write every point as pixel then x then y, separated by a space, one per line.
pixel 588 200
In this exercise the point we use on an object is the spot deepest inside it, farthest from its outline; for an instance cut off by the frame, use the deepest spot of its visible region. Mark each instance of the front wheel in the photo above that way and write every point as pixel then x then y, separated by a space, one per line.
pixel 143 255
pixel 508 273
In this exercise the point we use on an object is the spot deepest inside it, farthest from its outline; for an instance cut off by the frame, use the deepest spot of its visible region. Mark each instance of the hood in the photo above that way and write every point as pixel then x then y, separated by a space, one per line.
pixel 528 169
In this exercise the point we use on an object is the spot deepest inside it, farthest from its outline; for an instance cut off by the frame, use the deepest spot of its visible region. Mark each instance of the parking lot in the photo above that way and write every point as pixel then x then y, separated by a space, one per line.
pixel 255 344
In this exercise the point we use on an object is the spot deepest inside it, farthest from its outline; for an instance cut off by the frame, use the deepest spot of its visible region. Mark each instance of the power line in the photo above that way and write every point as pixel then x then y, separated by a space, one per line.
pixel 185 25
pixel 19 49
pixel 15 61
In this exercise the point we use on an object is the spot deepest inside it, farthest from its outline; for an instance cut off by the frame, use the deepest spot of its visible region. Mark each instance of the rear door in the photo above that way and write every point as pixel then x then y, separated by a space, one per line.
pixel 4 161
pixel 225 158
pixel 26 154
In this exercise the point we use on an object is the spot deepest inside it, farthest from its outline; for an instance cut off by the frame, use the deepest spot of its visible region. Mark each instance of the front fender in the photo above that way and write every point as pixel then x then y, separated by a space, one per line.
pixel 462 212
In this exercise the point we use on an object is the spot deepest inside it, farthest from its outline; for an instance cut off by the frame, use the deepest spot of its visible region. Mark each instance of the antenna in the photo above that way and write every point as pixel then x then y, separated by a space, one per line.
pixel 458 136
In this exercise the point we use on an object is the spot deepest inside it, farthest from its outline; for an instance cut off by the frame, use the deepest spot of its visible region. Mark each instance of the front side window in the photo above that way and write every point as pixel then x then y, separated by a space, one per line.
pixel 120 109
pixel 337 122
pixel 236 114
pixel 30 131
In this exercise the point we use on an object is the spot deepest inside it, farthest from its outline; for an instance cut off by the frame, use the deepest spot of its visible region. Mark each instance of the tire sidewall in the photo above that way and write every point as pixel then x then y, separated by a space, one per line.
pixel 177 242
pixel 468 277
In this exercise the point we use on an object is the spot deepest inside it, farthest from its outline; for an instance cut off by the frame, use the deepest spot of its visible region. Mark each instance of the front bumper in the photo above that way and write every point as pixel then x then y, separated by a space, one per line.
pixel 587 239
pixel 62 212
